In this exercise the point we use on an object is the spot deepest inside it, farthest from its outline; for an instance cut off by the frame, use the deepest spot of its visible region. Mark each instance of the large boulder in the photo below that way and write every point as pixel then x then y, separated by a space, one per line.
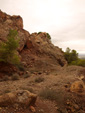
pixel 20 98
pixel 77 86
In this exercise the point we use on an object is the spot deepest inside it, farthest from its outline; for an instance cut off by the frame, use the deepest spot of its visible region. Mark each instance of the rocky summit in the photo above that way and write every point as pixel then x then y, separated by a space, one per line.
pixel 36 49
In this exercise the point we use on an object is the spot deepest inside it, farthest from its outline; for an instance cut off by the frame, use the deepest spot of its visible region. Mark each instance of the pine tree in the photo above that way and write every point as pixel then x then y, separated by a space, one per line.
pixel 8 49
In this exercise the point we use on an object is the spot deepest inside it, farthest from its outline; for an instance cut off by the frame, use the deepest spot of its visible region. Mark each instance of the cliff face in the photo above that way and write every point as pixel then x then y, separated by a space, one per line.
pixel 35 49
pixel 8 22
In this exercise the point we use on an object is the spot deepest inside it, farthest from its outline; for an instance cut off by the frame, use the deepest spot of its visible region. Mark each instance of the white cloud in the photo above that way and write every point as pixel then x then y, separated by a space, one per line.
pixel 63 19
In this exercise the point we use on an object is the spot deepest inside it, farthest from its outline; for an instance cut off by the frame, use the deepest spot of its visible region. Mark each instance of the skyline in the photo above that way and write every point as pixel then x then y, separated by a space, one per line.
pixel 64 20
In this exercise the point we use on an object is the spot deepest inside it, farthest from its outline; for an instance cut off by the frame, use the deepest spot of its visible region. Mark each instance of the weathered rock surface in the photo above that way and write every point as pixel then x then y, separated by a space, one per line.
pixel 43 46
pixel 77 86
pixel 8 22
pixel 19 98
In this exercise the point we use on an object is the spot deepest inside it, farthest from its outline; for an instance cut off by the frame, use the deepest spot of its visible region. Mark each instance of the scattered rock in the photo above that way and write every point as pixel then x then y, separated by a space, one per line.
pixel 41 111
pixel 77 86
pixel 22 98
pixel 32 109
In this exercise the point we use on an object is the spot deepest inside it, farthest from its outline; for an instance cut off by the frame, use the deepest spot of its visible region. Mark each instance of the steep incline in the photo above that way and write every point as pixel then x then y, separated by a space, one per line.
pixel 36 49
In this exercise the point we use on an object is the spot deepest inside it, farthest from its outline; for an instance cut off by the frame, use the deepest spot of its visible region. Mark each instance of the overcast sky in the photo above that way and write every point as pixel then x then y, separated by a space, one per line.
pixel 64 20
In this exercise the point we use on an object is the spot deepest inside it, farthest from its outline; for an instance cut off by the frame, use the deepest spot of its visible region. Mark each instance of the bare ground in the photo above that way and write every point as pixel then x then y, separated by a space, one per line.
pixel 59 80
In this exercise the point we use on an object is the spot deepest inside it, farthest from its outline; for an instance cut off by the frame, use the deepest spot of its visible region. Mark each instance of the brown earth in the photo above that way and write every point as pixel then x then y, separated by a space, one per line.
pixel 60 80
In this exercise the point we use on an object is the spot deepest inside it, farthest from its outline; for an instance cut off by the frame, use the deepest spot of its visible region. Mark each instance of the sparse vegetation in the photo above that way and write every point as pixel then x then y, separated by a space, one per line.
pixel 26 75
pixel 39 32
pixel 48 36
pixel 79 62
pixel 5 78
pixel 20 67
pixel 15 76
pixel 28 88
pixel 8 49
pixel 39 79
pixel 47 93
pixel 7 91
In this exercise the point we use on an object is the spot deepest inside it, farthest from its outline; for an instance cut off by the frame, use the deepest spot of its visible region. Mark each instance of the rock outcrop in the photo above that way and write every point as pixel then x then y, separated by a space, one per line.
pixel 8 22
pixel 35 49
pixel 42 44
pixel 77 86
pixel 19 98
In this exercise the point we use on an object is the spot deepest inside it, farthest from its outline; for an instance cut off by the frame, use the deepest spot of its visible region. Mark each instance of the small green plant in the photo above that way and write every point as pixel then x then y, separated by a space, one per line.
pixel 15 76
pixel 39 79
pixel 39 32
pixel 47 93
pixel 8 49
pixel 70 55
pixel 48 36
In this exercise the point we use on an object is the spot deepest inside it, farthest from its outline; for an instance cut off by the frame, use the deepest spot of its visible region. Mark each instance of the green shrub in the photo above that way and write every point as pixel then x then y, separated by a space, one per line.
pixel 39 32
pixel 8 49
pixel 71 55
pixel 39 79
pixel 47 93
pixel 79 62
pixel 48 36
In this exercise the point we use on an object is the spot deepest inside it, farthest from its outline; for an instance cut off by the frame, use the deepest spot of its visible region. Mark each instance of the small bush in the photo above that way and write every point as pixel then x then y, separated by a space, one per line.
pixel 20 67
pixel 79 62
pixel 15 76
pixel 7 91
pixel 26 75
pixel 39 79
pixel 5 78
pixel 39 32
pixel 48 94
pixel 48 36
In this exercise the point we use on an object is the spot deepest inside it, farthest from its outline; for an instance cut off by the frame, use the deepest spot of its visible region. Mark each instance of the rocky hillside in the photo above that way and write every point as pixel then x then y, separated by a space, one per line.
pixel 36 49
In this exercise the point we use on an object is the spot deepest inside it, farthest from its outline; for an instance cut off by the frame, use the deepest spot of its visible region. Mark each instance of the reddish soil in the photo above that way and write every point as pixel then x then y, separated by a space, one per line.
pixel 60 80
